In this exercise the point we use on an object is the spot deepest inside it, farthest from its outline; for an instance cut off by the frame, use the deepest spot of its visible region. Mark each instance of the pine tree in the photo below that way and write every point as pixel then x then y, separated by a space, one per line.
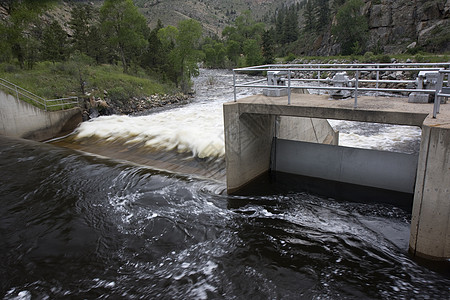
pixel 309 16
pixel 54 42
pixel 323 14
pixel 81 25
pixel 351 28
pixel 268 52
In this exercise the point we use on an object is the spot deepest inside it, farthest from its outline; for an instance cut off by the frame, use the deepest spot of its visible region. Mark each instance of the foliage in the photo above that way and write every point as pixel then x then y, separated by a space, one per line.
pixel 54 42
pixel 252 52
pixel 182 44
pixel 215 53
pixel 290 57
pixel 286 26
pixel 125 28
pixel 323 14
pixel 17 40
pixel 309 16
pixel 245 37
pixel 267 46
pixel 61 79
pixel 81 25
pixel 351 27
pixel 233 51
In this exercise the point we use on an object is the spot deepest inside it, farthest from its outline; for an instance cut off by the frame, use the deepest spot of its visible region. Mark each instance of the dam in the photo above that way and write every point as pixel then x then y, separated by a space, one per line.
pixel 82 224
pixel 251 137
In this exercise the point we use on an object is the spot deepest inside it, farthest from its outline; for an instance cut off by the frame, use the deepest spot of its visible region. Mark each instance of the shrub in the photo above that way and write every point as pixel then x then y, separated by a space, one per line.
pixel 290 57
pixel 383 58
pixel 118 94
pixel 10 68
pixel 369 57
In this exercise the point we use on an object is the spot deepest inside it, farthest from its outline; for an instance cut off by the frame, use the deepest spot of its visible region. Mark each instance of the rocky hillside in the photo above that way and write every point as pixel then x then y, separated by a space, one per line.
pixel 399 24
pixel 394 25
pixel 214 15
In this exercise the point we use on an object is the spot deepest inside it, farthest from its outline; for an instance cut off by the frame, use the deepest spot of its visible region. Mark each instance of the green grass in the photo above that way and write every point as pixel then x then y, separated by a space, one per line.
pixel 62 79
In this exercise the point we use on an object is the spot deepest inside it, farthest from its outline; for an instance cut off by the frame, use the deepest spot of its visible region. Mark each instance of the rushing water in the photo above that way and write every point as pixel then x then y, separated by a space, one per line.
pixel 77 225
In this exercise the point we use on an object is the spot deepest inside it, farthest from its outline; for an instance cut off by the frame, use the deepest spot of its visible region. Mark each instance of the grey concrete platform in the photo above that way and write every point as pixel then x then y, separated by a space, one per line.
pixel 388 110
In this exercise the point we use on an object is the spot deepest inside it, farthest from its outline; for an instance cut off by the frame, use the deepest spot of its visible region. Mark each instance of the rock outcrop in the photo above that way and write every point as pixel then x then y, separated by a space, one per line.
pixel 396 24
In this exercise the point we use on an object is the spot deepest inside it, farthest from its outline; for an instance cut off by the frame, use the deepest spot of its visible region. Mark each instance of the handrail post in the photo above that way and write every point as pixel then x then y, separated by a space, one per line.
pixel 234 84
pixel 17 92
pixel 378 78
pixel 355 105
pixel 289 87
pixel 437 99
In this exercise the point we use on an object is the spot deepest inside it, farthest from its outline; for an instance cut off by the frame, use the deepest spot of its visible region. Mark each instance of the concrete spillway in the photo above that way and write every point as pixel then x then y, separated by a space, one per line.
pixel 251 125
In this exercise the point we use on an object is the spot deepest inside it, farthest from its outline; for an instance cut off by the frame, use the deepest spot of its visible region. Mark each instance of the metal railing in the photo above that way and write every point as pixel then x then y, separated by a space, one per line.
pixel 358 85
pixel 19 92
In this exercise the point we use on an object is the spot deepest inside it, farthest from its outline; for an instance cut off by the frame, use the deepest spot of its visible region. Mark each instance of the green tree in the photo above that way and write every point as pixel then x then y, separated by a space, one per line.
pixel 253 54
pixel 309 16
pixel 125 28
pixel 155 56
pixel 97 46
pixel 54 42
pixel 351 27
pixel 17 39
pixel 268 52
pixel 233 50
pixel 279 25
pixel 81 23
pixel 215 53
pixel 244 34
pixel 290 26
pixel 184 56
pixel 323 15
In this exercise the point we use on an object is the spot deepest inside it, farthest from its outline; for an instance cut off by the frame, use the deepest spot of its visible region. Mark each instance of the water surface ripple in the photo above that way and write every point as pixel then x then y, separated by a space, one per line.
pixel 79 226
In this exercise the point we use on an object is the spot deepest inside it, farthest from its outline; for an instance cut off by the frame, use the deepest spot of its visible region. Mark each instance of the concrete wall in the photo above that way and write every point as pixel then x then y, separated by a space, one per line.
pixel 307 130
pixel 372 168
pixel 430 222
pixel 248 140
pixel 20 119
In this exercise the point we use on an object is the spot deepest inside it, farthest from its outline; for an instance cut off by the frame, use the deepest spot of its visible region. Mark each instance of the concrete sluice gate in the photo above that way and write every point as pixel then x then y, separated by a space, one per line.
pixel 264 134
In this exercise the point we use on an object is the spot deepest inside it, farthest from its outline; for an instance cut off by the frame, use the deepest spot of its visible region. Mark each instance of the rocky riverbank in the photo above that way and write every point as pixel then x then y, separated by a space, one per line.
pixel 94 107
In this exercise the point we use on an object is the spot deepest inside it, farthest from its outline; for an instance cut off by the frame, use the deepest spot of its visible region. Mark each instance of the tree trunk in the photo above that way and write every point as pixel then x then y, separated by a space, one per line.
pixel 124 60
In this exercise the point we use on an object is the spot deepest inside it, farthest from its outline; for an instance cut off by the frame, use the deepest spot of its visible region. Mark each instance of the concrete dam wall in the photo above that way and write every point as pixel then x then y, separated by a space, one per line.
pixel 23 120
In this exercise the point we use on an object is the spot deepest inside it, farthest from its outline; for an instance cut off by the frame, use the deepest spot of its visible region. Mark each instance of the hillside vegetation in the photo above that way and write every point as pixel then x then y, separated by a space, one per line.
pixel 101 50
pixel 387 26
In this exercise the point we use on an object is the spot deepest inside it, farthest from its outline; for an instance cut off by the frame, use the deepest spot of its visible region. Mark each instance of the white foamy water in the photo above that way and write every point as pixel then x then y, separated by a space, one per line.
pixel 197 128
pixel 405 139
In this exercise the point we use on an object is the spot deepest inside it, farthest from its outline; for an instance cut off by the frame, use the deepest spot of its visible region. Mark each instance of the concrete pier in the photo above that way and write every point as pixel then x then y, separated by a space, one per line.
pixel 248 142
pixel 250 125
pixel 430 222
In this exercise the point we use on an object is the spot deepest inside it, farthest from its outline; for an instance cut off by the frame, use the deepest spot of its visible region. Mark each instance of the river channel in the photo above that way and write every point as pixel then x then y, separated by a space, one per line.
pixel 97 215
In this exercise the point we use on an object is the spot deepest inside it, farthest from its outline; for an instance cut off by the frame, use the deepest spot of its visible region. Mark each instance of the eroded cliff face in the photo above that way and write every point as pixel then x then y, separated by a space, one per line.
pixel 395 25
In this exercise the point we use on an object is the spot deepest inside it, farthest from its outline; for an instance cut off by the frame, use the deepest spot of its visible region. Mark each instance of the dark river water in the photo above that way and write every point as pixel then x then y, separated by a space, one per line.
pixel 75 225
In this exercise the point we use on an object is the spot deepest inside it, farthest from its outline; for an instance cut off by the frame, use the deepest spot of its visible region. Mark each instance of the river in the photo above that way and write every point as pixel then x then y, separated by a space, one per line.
pixel 74 224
